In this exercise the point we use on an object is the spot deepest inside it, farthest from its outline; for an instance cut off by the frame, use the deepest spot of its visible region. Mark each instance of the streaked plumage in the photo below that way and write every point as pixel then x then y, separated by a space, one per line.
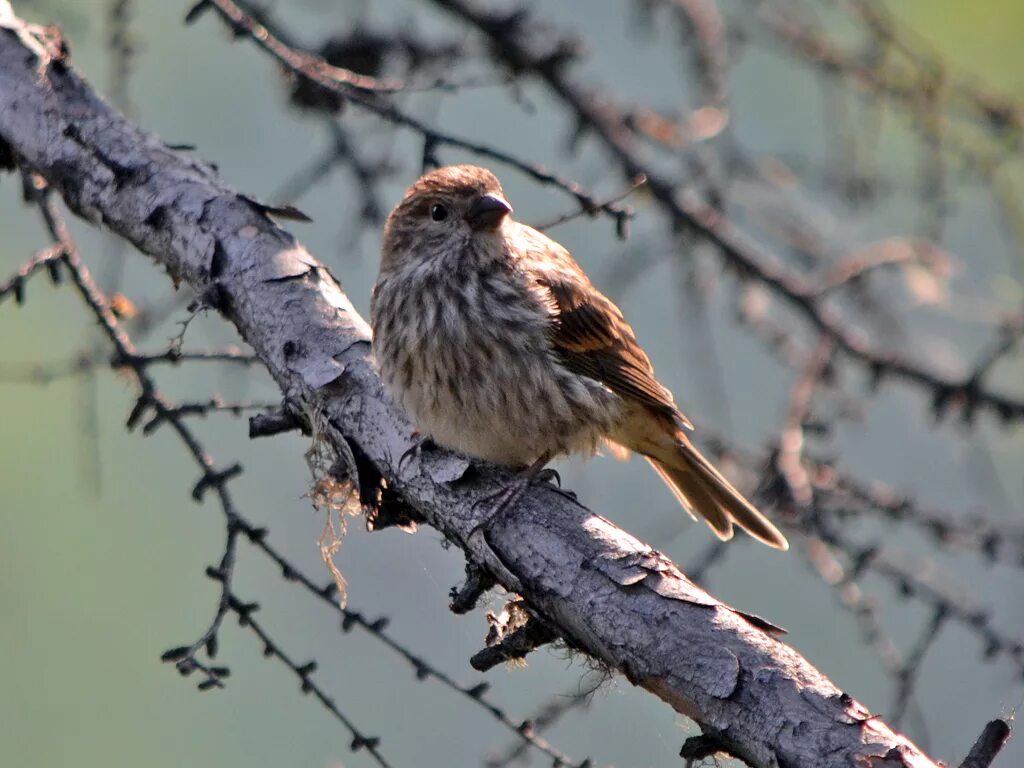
pixel 496 344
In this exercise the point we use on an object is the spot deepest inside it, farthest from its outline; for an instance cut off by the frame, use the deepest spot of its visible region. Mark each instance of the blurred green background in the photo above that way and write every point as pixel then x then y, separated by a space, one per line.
pixel 102 551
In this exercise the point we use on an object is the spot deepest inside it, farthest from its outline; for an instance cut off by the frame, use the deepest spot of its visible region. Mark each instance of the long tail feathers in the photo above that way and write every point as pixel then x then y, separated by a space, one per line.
pixel 702 490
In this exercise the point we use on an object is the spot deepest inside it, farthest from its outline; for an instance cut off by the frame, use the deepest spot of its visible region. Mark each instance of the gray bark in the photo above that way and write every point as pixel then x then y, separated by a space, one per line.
pixel 602 590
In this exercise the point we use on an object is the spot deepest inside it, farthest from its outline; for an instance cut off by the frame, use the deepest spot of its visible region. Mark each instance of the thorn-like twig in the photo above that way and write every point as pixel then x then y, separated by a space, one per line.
pixel 988 745
pixel 512 636
pixel 273 423
pixel 465 598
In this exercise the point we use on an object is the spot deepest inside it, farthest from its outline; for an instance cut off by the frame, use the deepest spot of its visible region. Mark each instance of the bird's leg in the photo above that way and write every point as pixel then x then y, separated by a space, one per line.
pixel 506 498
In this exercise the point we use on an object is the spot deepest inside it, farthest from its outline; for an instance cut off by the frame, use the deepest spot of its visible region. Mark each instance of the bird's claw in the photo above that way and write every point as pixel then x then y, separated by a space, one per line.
pixel 553 480
pixel 550 476
pixel 508 496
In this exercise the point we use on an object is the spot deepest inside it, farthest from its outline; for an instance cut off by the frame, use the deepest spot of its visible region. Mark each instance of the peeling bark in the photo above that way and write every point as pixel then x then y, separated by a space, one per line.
pixel 605 592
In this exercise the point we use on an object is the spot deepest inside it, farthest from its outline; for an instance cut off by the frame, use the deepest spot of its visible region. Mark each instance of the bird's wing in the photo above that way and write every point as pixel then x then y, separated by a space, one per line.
pixel 593 339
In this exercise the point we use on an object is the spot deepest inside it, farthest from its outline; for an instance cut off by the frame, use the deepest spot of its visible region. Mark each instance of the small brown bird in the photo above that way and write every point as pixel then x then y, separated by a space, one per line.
pixel 496 344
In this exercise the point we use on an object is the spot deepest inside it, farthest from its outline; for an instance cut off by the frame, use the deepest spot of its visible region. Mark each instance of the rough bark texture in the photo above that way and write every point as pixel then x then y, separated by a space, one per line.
pixel 604 591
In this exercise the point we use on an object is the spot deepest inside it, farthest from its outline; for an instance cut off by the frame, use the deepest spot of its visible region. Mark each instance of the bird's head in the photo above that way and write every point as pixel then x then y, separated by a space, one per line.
pixel 443 212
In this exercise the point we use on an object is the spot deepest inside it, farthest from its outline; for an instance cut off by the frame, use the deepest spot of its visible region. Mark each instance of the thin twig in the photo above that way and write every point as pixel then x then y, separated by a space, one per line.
pixel 232 12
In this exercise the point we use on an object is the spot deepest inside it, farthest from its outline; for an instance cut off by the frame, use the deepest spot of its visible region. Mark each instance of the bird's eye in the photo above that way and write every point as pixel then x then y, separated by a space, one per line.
pixel 438 212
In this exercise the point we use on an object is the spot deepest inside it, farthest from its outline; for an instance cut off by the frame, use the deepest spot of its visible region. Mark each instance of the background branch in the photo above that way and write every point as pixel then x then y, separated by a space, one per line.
pixel 813 163
pixel 720 667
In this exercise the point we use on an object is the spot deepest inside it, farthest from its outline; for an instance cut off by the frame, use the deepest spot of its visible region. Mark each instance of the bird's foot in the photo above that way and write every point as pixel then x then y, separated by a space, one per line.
pixel 550 476
pixel 554 481
pixel 504 499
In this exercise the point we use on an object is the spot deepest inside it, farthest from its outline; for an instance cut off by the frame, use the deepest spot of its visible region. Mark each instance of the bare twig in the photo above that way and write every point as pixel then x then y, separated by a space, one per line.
pixel 239 253
pixel 48 258
pixel 308 65
pixel 236 13
pixel 988 745
pixel 512 38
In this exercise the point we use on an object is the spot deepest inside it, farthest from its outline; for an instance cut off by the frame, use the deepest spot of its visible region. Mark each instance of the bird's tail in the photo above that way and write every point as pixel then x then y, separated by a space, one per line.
pixel 704 491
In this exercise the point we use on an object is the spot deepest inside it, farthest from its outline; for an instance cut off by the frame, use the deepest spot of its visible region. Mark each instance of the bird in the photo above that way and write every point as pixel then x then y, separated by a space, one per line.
pixel 496 344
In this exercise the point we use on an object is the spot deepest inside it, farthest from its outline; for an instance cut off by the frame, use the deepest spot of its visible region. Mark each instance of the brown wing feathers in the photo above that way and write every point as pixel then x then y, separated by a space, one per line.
pixel 594 340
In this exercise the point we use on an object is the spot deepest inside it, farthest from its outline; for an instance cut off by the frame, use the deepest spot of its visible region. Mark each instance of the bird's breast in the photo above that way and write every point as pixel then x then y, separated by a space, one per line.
pixel 468 358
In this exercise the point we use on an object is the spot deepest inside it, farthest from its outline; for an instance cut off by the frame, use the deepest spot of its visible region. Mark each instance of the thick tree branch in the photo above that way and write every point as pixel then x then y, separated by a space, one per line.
pixel 606 593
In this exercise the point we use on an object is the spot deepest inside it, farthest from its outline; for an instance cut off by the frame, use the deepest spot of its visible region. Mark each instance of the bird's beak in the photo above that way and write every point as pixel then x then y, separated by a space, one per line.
pixel 487 212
